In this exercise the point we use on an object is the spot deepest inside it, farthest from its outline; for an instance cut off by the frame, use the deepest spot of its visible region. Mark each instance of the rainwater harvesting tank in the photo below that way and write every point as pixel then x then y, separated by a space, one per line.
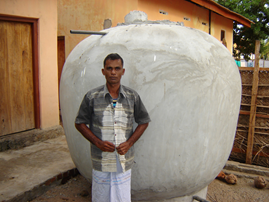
pixel 191 88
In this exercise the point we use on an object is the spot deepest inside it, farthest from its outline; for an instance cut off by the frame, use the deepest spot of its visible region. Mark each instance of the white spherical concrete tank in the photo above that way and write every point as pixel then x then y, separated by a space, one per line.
pixel 191 88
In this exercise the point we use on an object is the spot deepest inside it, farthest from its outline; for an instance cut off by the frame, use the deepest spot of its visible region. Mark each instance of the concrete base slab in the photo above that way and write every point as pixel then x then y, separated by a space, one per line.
pixel 187 198
pixel 29 172
pixel 29 137
pixel 247 168
pixel 34 168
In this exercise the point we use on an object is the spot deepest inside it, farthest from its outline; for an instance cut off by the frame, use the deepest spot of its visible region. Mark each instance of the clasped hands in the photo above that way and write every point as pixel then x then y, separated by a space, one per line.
pixel 107 146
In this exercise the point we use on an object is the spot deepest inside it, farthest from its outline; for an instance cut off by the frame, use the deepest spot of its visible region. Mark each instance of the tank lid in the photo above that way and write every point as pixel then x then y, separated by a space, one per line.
pixel 140 17
pixel 134 16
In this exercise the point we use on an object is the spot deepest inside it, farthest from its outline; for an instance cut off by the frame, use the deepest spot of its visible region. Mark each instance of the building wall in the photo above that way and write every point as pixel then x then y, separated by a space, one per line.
pixel 191 15
pixel 219 23
pixel 181 11
pixel 46 13
pixel 89 15
pixel 58 17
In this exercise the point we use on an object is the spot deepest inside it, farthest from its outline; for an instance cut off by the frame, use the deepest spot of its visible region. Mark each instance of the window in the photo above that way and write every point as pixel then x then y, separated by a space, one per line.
pixel 163 12
pixel 222 35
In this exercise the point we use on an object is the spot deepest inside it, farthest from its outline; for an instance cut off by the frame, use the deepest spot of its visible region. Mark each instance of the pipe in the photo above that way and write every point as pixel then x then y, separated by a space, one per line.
pixel 199 199
pixel 87 32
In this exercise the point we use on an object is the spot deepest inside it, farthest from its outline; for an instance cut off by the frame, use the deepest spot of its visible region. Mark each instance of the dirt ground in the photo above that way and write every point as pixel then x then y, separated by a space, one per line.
pixel 78 189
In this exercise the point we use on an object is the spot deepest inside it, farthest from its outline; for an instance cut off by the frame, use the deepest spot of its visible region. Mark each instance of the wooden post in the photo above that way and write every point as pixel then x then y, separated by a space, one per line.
pixel 252 117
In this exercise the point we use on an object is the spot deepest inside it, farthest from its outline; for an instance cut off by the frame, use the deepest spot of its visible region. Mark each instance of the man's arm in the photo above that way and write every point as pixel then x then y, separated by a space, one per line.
pixel 124 147
pixel 105 146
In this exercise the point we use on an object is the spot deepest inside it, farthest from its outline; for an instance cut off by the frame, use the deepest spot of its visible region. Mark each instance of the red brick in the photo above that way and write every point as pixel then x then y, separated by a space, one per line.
pixel 60 176
pixel 48 182
pixel 53 179
pixel 65 175
pixel 71 172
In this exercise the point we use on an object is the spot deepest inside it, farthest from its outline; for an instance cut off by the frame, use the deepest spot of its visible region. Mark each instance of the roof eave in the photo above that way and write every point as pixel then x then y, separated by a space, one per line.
pixel 213 6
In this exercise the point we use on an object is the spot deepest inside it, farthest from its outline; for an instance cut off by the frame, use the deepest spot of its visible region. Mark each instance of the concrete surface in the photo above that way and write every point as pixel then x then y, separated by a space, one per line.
pixel 27 138
pixel 29 172
pixel 245 170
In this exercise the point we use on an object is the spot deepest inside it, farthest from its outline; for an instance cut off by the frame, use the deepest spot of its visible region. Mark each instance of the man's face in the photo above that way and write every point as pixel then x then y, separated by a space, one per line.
pixel 113 71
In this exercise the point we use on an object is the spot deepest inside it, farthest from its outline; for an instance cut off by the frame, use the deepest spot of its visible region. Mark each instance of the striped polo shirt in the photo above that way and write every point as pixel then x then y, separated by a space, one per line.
pixel 113 124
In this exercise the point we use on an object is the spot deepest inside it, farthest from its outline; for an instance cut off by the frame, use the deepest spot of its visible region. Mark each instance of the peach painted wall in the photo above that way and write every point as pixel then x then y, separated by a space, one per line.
pixel 177 11
pixel 198 16
pixel 89 15
pixel 46 12
pixel 220 23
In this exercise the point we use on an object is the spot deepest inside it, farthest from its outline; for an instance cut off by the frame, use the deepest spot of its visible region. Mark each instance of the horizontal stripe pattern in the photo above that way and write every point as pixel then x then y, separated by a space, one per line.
pixel 113 124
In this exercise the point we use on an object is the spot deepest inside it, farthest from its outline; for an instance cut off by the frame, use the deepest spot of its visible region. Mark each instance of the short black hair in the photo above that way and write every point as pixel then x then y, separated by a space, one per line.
pixel 113 56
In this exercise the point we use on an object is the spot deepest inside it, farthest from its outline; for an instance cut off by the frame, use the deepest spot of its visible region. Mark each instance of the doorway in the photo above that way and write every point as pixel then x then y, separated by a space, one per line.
pixel 61 62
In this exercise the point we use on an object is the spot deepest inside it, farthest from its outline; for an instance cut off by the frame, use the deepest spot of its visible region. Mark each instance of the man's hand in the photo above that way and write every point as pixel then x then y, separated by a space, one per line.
pixel 123 148
pixel 105 146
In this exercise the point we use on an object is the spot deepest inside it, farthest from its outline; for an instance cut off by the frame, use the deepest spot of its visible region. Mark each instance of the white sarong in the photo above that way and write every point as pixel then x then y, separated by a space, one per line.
pixel 111 186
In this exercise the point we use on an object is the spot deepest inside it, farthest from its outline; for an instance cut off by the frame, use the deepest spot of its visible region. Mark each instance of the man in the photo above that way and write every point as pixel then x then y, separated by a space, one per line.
pixel 109 110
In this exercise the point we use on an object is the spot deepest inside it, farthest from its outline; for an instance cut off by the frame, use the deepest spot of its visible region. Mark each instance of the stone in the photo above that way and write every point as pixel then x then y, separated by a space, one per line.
pixel 84 193
pixel 221 176
pixel 260 182
pixel 231 179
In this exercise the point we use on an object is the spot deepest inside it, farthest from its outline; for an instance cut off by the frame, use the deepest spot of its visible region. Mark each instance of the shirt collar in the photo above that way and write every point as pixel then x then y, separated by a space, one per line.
pixel 121 91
